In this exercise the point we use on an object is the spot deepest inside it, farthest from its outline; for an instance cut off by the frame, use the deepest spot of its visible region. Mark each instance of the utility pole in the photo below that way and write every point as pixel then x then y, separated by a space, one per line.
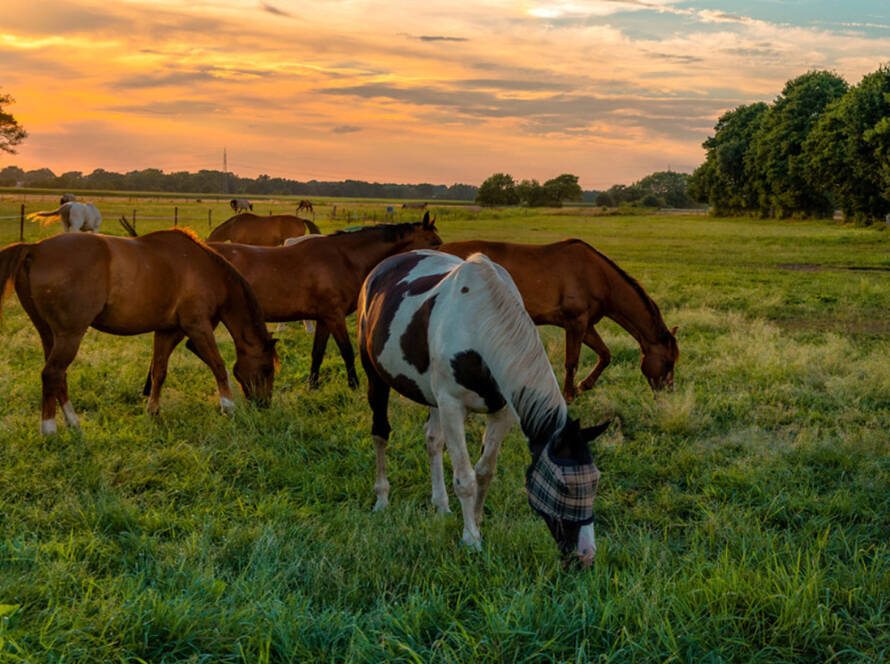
pixel 225 173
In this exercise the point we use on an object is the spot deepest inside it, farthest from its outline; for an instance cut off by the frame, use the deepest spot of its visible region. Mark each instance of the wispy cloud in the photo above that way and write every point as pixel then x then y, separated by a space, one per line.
pixel 266 7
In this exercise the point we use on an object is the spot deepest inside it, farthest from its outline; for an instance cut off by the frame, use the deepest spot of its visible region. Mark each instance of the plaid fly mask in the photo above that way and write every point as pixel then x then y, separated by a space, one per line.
pixel 562 489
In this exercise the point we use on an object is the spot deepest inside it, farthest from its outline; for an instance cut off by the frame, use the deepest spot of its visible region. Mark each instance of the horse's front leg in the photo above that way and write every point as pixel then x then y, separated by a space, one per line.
pixel 319 343
pixel 496 429
pixel 163 344
pixel 592 339
pixel 574 335
pixel 451 418
pixel 201 336
pixel 341 336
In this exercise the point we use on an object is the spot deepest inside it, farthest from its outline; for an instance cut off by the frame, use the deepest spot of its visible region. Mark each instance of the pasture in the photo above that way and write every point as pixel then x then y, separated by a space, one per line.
pixel 741 518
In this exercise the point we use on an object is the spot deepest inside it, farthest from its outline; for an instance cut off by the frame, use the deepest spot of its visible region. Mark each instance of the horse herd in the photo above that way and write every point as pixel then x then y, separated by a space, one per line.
pixel 450 326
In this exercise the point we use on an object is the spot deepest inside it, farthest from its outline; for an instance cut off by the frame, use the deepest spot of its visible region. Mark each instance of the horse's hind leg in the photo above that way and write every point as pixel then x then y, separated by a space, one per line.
pixel 46 340
pixel 319 343
pixel 163 344
pixel 594 340
pixel 201 335
pixel 499 424
pixel 378 399
pixel 55 384
pixel 435 442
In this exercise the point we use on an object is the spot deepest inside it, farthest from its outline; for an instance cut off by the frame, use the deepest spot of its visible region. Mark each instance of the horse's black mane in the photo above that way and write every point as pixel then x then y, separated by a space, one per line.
pixel 664 336
pixel 390 232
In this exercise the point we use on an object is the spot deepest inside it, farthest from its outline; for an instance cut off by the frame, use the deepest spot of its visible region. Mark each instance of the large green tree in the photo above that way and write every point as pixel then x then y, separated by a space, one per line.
pixel 565 187
pixel 848 151
pixel 724 180
pixel 775 159
pixel 667 187
pixel 499 189
pixel 11 132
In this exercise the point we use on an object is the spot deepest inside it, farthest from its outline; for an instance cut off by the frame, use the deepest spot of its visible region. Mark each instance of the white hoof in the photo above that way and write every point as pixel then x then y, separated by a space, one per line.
pixel 381 504
pixel 48 427
pixel 472 543
pixel 227 405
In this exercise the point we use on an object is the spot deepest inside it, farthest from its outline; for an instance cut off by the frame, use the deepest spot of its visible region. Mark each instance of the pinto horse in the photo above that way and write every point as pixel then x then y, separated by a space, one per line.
pixel 167 282
pixel 319 278
pixel 240 204
pixel 269 231
pixel 453 335
pixel 571 285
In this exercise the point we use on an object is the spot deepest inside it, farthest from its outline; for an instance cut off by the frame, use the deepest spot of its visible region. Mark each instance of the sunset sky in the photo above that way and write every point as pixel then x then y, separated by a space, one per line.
pixel 431 91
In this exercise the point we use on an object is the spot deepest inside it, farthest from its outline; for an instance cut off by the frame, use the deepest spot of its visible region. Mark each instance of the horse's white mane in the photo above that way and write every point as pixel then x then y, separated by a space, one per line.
pixel 512 347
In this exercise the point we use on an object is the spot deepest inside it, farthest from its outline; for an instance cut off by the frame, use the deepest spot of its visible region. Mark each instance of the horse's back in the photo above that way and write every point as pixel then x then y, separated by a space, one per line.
pixel 249 228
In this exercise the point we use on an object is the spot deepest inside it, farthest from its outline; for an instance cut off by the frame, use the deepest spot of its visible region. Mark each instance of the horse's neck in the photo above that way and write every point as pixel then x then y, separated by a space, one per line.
pixel 632 310
pixel 238 316
pixel 366 252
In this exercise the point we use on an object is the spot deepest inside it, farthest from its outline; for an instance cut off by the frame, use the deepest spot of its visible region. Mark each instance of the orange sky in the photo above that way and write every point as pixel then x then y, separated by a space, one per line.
pixel 440 92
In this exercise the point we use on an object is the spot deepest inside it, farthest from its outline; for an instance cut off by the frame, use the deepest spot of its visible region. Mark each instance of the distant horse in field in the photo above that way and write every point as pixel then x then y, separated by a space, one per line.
pixel 67 198
pixel 74 216
pixel 240 204
pixel 571 285
pixel 167 282
pixel 247 228
pixel 319 278
pixel 305 205
pixel 453 335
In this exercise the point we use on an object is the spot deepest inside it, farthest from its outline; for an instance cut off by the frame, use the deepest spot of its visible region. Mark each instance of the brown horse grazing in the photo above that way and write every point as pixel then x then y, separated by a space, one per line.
pixel 319 278
pixel 305 205
pixel 572 285
pixel 167 282
pixel 269 231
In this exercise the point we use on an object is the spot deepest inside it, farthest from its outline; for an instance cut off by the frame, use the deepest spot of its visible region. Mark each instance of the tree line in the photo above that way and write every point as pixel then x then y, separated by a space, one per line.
pixel 821 145
pixel 215 182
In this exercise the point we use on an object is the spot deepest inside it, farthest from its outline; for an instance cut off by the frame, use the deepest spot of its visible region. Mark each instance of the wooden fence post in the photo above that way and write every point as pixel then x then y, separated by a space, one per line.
pixel 175 217
pixel 22 224
pixel 209 212
pixel 134 220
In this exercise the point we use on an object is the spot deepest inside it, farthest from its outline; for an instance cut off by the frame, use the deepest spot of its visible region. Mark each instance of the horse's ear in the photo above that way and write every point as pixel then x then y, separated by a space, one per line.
pixel 674 331
pixel 590 433
pixel 426 219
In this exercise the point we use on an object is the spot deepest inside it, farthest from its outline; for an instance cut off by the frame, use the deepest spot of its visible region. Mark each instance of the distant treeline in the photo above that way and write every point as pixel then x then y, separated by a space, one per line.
pixel 216 182
pixel 821 145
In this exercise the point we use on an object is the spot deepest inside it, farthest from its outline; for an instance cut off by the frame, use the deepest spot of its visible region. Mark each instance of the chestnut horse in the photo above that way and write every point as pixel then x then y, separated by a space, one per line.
pixel 305 205
pixel 167 282
pixel 453 335
pixel 319 278
pixel 571 285
pixel 269 231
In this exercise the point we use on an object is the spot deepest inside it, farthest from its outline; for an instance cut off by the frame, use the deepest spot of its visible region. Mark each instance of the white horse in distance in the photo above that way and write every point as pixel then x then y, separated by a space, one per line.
pixel 74 216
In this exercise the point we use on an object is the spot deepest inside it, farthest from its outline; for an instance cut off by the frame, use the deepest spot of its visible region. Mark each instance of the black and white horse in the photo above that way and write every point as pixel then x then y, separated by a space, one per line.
pixel 238 204
pixel 454 335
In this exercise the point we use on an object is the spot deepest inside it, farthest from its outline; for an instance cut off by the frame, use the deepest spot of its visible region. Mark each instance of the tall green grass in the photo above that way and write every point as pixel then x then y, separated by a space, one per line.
pixel 743 518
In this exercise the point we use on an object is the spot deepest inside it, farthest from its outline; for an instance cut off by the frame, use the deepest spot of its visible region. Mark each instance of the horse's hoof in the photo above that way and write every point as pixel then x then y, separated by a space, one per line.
pixel 313 382
pixel 473 545
pixel 380 505
pixel 227 406
pixel 48 427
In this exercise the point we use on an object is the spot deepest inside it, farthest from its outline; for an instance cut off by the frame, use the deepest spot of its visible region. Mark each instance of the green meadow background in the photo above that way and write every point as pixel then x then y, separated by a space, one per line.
pixel 742 518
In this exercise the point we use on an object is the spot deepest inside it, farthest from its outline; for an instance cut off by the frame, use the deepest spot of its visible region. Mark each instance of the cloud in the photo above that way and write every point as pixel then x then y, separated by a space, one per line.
pixel 187 77
pixel 441 38
pixel 345 129
pixel 179 107
pixel 275 10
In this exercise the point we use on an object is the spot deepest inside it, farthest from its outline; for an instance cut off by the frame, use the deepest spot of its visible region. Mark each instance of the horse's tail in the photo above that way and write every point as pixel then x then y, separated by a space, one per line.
pixel 313 229
pixel 11 259
pixel 47 217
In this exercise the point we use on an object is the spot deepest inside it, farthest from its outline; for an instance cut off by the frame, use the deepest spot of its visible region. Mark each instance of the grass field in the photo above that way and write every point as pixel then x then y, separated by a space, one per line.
pixel 742 518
